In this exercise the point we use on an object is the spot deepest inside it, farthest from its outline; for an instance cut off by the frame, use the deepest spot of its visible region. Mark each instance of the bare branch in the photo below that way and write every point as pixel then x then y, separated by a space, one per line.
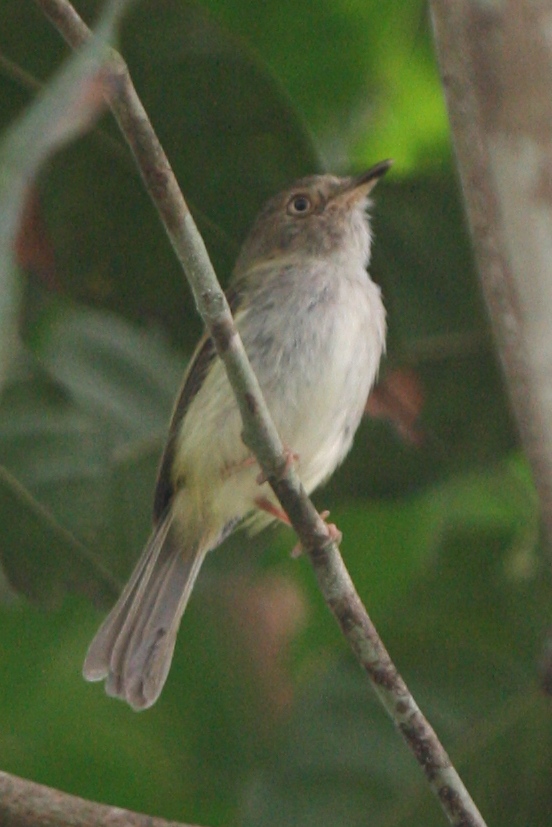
pixel 496 65
pixel 261 436
pixel 26 804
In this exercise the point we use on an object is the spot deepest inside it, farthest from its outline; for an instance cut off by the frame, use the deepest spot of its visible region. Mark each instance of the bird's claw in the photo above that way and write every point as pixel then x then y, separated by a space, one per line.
pixel 334 534
pixel 290 457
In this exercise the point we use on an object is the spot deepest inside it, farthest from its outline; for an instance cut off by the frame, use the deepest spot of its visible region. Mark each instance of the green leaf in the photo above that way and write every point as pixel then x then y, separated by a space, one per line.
pixel 84 439
pixel 121 373
pixel 42 559
pixel 363 75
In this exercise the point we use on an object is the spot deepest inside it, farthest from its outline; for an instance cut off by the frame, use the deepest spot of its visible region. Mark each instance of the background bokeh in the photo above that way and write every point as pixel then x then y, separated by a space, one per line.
pixel 265 719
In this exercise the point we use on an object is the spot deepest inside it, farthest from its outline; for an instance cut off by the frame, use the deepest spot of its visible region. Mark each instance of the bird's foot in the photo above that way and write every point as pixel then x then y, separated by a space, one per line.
pixel 265 505
pixel 290 458
pixel 333 533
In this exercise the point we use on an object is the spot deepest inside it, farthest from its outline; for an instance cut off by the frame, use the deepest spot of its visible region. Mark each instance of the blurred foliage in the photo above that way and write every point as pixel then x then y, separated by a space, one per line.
pixel 265 718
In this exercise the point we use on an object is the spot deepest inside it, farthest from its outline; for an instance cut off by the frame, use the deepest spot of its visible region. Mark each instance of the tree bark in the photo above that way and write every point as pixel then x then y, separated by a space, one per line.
pixel 26 804
pixel 496 66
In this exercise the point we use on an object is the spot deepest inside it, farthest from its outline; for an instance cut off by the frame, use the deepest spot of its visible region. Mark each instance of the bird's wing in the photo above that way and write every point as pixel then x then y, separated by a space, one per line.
pixel 198 368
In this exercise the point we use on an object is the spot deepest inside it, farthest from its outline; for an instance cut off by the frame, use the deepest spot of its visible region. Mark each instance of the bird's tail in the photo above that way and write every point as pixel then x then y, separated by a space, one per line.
pixel 134 646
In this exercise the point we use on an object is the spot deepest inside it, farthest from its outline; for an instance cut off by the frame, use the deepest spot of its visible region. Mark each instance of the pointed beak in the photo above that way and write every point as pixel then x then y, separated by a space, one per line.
pixel 368 180
pixel 359 186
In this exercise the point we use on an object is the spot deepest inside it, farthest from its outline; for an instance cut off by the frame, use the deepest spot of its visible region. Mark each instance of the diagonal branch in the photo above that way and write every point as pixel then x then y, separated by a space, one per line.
pixel 26 804
pixel 261 436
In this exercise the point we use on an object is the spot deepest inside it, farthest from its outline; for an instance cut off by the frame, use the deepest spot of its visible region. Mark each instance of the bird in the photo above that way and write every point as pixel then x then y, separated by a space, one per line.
pixel 313 325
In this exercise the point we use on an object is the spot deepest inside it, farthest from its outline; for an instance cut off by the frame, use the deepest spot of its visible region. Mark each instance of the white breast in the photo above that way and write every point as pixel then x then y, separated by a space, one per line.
pixel 319 382
pixel 315 340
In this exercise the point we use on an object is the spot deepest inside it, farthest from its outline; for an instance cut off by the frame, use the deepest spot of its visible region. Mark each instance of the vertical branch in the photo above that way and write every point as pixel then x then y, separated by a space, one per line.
pixel 496 67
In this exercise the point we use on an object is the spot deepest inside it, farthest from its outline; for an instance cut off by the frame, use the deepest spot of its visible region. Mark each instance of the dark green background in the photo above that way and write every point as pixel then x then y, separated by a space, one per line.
pixel 265 719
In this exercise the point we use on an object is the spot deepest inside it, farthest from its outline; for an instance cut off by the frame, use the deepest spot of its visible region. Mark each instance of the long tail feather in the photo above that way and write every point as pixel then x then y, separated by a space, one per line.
pixel 134 646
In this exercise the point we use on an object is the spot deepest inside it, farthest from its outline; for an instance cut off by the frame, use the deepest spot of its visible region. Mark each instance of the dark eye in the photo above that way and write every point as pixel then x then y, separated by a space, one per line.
pixel 299 205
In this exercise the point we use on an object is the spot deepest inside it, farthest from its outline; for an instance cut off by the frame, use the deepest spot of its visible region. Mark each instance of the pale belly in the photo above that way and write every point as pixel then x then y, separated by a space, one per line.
pixel 316 371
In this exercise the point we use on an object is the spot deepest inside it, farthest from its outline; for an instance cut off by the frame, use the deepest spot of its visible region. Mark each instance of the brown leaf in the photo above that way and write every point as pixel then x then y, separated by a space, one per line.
pixel 399 398
pixel 34 250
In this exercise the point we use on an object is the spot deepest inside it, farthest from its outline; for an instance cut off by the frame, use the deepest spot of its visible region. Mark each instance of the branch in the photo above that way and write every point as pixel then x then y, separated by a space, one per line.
pixel 260 435
pixel 496 64
pixel 26 804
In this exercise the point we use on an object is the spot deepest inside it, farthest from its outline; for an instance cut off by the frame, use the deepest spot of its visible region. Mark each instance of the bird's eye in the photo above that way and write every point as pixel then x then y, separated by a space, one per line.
pixel 299 205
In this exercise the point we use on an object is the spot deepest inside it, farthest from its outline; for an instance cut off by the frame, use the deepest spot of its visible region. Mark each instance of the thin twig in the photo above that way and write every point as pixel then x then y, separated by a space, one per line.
pixel 261 436
pixel 12 70
pixel 26 804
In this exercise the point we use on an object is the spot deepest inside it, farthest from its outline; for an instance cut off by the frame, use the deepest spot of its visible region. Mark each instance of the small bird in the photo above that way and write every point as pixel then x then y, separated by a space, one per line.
pixel 313 325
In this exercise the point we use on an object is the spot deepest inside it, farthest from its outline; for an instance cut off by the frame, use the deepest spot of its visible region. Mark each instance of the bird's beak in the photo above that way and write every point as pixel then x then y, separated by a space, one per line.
pixel 359 186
